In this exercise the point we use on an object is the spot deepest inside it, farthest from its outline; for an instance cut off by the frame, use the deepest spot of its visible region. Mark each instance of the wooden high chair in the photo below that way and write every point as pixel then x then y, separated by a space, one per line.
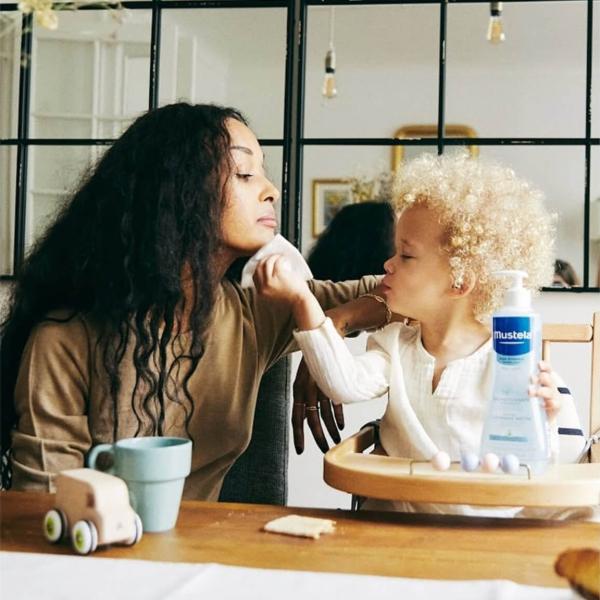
pixel 347 468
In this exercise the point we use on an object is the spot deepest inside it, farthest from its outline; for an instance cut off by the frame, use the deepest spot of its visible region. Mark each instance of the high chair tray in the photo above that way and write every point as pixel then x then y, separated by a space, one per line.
pixel 390 478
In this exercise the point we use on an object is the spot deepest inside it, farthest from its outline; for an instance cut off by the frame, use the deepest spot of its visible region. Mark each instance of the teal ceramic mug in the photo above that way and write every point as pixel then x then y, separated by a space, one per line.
pixel 154 469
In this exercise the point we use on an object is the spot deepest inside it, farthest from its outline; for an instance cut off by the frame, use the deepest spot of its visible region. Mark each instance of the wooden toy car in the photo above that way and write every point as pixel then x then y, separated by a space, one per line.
pixel 94 507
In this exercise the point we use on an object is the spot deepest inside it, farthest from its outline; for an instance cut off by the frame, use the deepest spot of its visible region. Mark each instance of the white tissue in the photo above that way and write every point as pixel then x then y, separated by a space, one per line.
pixel 278 245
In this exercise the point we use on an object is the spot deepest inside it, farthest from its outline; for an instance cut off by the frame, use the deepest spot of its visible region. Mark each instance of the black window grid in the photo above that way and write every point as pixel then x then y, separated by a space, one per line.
pixel 293 141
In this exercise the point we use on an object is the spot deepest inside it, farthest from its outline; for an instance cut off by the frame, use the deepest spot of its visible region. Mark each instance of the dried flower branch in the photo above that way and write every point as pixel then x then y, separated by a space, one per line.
pixel 378 188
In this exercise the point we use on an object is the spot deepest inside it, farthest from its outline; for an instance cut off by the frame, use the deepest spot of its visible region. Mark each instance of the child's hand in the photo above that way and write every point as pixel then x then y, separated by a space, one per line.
pixel 274 279
pixel 543 387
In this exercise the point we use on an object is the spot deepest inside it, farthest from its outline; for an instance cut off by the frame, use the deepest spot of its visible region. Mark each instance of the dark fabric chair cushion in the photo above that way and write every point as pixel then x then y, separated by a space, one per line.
pixel 259 476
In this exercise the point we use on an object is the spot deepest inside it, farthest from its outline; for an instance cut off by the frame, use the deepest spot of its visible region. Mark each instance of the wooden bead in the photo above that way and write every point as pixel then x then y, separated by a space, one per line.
pixel 490 462
pixel 441 461
pixel 469 462
pixel 510 464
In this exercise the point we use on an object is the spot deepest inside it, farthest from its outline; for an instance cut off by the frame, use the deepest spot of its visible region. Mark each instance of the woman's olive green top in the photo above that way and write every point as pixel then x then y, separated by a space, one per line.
pixel 64 406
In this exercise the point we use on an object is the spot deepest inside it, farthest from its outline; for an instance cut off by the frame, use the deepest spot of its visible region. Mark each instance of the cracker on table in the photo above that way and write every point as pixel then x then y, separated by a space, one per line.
pixel 297 525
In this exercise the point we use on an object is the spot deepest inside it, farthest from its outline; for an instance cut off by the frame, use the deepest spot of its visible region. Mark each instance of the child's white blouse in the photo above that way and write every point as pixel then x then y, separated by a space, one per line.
pixel 418 421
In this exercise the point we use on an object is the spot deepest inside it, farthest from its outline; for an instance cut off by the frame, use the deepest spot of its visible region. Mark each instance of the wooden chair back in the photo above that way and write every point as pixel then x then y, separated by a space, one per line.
pixel 588 334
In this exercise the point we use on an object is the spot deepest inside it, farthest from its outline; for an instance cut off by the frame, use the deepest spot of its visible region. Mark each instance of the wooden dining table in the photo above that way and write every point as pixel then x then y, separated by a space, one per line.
pixel 389 544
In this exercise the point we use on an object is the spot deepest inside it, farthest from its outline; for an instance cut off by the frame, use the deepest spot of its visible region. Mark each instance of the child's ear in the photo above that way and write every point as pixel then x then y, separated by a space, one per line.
pixel 463 286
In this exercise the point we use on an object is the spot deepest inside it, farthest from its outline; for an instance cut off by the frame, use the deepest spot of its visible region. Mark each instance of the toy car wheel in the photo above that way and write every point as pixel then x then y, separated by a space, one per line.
pixel 84 537
pixel 138 532
pixel 55 525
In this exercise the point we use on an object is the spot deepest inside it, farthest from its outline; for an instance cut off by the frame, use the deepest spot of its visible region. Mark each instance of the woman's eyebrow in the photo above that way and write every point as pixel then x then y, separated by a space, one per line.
pixel 247 150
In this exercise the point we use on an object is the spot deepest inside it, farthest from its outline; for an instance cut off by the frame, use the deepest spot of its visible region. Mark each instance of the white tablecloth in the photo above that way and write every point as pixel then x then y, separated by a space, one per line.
pixel 49 577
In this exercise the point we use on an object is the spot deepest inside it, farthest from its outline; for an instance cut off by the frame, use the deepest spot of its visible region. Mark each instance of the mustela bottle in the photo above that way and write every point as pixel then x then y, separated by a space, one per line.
pixel 516 423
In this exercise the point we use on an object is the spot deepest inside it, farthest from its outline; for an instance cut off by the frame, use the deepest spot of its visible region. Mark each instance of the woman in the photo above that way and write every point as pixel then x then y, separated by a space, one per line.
pixel 564 275
pixel 359 239
pixel 123 321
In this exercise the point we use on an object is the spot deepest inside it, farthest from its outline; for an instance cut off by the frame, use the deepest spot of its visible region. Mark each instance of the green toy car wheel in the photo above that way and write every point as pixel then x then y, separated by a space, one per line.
pixel 54 526
pixel 84 537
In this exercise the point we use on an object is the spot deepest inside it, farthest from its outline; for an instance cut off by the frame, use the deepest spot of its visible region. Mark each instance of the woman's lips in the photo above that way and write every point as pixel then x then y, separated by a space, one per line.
pixel 268 222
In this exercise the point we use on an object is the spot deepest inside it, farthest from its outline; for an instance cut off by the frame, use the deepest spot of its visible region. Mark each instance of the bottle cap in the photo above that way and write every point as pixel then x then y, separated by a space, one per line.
pixel 516 295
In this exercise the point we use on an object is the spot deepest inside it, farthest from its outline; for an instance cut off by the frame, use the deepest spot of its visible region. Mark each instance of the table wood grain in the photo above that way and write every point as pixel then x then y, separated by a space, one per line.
pixel 392 544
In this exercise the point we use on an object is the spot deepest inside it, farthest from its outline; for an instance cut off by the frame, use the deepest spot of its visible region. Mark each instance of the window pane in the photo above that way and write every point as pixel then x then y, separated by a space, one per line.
pixel 530 85
pixel 324 189
pixel 106 62
pixel 10 50
pixel 559 172
pixel 234 57
pixel 595 219
pixel 386 71
pixel 61 127
pixel 8 175
pixel 54 172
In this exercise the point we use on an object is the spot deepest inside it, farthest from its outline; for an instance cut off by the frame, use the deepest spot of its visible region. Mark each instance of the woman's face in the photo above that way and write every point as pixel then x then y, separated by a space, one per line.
pixel 418 277
pixel 249 217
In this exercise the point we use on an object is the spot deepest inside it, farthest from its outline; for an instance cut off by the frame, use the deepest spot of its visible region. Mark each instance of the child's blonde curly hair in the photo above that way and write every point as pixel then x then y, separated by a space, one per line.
pixel 492 220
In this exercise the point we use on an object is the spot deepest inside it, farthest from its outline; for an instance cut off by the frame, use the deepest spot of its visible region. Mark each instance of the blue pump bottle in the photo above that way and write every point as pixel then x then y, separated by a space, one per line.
pixel 516 423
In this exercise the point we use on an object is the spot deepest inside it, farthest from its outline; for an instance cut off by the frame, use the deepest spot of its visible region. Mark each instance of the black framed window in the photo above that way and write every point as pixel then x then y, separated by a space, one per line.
pixel 533 101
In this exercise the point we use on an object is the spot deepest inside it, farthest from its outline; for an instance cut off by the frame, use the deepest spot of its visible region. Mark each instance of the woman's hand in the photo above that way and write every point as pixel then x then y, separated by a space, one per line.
pixel 275 279
pixel 311 404
pixel 543 387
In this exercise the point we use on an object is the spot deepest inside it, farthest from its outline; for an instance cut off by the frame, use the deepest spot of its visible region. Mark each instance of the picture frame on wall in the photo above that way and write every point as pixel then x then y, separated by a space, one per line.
pixel 402 154
pixel 328 197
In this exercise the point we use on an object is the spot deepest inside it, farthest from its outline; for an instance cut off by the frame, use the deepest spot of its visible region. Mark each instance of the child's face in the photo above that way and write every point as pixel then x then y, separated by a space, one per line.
pixel 418 276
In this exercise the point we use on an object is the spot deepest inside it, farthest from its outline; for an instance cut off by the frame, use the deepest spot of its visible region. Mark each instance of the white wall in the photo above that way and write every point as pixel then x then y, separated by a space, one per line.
pixel 238 60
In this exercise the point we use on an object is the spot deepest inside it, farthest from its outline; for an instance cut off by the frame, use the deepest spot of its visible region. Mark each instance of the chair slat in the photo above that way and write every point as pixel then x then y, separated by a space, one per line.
pixel 553 332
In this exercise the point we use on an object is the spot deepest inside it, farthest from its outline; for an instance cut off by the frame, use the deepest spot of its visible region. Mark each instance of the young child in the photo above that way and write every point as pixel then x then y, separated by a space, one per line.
pixel 459 221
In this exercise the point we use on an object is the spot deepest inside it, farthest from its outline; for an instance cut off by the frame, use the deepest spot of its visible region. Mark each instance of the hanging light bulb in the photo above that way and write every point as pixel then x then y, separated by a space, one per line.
pixel 495 32
pixel 329 90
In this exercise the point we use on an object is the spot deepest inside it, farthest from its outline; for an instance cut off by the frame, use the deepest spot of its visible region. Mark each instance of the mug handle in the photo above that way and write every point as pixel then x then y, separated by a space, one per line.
pixel 93 456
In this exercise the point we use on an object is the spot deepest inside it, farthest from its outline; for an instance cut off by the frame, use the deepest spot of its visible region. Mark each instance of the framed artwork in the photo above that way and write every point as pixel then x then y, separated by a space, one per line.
pixel 328 197
pixel 403 153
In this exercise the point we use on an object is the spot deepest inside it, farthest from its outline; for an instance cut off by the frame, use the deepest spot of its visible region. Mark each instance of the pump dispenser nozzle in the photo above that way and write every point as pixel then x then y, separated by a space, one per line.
pixel 516 295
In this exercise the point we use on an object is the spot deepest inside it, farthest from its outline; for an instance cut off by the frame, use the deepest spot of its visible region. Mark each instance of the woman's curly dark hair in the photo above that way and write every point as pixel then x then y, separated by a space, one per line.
pixel 357 242
pixel 151 208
